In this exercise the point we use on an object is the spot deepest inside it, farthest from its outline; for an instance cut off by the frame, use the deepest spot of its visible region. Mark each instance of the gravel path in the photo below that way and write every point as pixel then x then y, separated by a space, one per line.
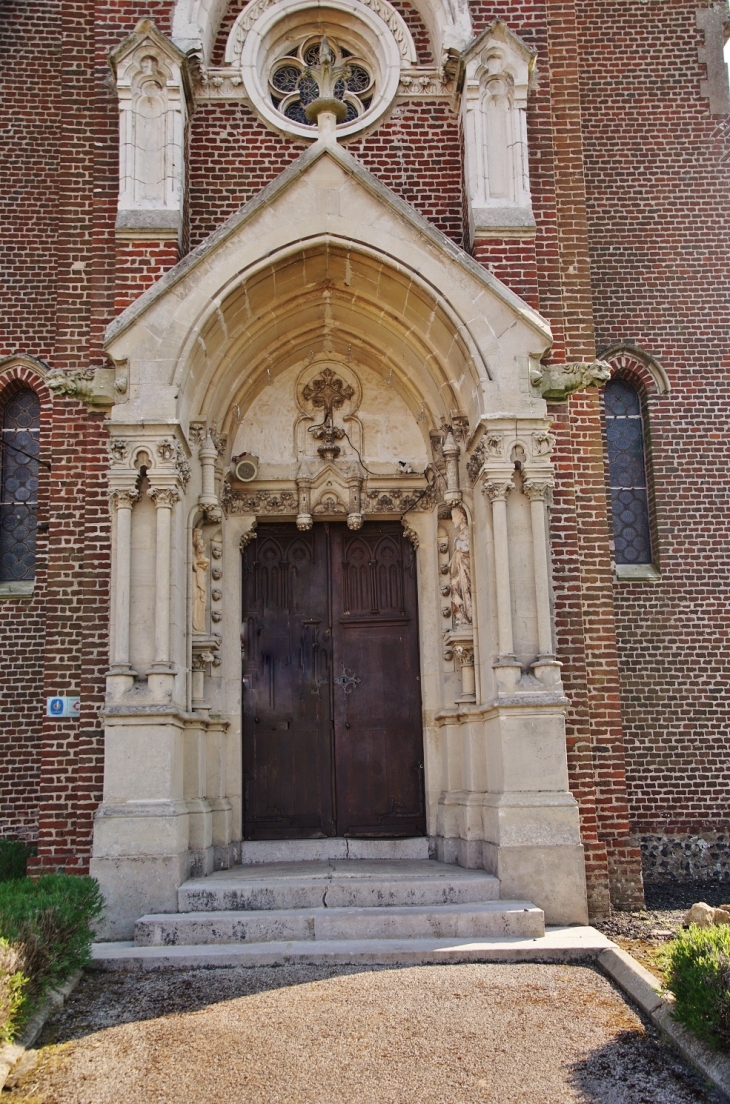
pixel 316 1035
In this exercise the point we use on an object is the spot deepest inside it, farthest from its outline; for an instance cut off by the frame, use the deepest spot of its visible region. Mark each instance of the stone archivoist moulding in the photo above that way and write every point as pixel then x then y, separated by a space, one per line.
pixel 152 86
pixel 498 73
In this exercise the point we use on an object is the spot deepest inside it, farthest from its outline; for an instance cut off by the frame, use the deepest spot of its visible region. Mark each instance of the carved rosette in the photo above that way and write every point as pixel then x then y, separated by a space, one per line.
pixel 118 451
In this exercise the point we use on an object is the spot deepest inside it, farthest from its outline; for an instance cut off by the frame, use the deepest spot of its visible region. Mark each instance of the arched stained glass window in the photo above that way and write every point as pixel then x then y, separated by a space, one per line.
pixel 627 473
pixel 19 441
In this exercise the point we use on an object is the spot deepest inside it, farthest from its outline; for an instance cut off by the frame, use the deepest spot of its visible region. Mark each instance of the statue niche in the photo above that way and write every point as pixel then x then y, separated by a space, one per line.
pixel 201 563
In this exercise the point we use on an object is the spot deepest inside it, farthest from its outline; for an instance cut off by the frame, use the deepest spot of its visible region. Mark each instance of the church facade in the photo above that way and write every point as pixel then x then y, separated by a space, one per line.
pixel 363 391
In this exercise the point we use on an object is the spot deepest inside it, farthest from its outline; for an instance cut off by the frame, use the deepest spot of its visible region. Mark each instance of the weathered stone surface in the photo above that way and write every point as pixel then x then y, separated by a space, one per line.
pixel 701 914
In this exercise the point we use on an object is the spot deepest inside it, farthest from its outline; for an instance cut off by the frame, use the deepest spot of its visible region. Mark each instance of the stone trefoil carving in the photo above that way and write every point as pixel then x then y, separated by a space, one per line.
pixel 556 382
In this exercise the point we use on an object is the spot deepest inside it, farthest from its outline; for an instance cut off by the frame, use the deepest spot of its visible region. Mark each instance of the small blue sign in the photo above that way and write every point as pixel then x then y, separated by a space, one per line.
pixel 63 707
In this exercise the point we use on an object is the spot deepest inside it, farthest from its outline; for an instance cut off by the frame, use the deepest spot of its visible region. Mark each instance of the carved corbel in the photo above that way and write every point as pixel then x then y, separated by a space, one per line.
pixel 93 386
pixel 246 538
pixel 409 533
pixel 557 382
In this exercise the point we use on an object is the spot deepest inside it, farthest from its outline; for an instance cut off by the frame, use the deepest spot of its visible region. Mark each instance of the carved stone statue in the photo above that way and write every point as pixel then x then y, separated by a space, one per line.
pixel 460 569
pixel 201 563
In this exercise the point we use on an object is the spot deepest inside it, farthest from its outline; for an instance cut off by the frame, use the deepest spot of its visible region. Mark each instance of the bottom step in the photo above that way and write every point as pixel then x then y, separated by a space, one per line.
pixel 468 921
pixel 579 944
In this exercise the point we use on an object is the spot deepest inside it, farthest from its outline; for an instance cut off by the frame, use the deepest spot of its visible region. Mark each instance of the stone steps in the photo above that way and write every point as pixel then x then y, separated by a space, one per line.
pixel 316 900
pixel 573 945
pixel 337 884
pixel 488 918
pixel 254 852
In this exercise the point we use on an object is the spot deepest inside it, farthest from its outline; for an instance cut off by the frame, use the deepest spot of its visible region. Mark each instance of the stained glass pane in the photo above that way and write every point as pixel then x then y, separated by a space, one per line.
pixel 627 473
pixel 19 486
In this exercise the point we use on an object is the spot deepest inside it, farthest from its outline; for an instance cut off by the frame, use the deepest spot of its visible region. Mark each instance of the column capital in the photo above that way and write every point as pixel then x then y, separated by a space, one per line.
pixel 164 496
pixel 496 488
pixel 538 488
pixel 123 498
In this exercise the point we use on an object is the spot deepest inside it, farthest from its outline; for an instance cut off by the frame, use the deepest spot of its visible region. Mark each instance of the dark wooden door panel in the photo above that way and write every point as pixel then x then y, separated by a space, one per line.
pixel 377 693
pixel 287 721
pixel 332 731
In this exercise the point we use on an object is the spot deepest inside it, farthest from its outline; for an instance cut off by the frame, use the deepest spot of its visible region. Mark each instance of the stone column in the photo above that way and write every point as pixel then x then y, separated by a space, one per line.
pixel 497 488
pixel 120 677
pixel 538 490
pixel 161 672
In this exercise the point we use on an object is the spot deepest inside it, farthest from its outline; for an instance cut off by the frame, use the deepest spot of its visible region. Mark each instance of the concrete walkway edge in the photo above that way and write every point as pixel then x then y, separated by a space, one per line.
pixel 11 1053
pixel 645 991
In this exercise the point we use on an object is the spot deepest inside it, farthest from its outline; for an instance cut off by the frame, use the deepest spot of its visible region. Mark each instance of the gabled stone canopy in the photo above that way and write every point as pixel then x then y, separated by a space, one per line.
pixel 327 253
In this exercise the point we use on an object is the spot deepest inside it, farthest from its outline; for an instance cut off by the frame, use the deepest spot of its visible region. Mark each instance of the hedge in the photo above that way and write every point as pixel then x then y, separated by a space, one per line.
pixel 45 935
pixel 697 965
pixel 14 855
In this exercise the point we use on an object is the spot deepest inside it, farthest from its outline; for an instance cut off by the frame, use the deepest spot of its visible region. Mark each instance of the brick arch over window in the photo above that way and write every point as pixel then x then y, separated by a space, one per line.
pixel 24 412
pixel 645 375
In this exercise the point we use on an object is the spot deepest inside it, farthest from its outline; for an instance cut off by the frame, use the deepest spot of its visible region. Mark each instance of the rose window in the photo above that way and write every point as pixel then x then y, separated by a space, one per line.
pixel 298 79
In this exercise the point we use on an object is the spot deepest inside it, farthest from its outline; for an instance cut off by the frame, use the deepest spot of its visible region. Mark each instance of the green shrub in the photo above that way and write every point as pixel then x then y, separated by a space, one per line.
pixel 697 965
pixel 14 855
pixel 12 984
pixel 48 921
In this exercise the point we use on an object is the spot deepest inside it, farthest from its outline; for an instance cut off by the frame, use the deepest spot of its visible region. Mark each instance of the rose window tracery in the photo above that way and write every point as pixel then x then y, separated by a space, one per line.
pixel 295 81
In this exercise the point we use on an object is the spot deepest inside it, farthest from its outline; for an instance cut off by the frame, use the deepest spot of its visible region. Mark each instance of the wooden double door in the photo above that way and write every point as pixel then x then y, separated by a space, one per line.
pixel 332 731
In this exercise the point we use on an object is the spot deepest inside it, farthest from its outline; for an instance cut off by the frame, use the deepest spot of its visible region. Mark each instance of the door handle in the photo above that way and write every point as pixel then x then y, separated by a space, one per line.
pixel 347 724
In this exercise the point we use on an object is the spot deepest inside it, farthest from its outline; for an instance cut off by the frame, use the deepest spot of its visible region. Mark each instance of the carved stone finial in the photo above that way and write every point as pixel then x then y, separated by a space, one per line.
pixel 556 382
pixel 327 76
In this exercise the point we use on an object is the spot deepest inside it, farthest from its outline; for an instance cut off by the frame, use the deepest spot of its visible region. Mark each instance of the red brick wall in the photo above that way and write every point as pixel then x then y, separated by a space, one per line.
pixel 657 170
pixel 630 194
pixel 416 152
pixel 22 633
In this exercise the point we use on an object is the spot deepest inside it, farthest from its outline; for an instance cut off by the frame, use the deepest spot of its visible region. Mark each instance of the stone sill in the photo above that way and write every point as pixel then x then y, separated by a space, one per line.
pixel 17 590
pixel 503 222
pixel 636 573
